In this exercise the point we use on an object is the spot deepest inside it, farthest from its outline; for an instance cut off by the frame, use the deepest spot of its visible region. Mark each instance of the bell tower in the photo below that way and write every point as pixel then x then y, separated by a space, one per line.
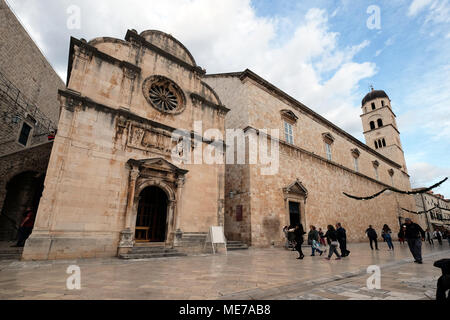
pixel 380 126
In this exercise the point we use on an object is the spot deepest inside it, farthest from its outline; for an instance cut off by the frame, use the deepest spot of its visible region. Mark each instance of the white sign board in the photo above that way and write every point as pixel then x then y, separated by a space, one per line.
pixel 217 235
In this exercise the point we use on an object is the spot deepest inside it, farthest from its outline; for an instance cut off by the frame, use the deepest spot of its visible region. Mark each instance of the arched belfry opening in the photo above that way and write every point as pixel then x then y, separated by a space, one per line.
pixel 151 221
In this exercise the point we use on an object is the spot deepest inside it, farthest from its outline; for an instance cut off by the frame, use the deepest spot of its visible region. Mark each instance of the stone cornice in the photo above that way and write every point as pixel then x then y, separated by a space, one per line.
pixel 198 98
pixel 373 111
pixel 99 54
pixel 387 125
pixel 300 106
pixel 76 99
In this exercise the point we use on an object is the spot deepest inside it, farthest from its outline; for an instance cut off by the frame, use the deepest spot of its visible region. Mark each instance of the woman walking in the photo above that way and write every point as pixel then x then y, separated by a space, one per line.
pixel 333 242
pixel 387 236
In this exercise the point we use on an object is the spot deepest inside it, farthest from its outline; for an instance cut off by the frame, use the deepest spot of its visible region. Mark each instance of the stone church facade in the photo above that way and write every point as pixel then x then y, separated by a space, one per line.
pixel 112 181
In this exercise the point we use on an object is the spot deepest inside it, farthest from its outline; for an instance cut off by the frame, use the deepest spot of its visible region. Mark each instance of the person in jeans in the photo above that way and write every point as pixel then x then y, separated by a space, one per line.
pixel 414 236
pixel 387 236
pixel 313 241
pixel 332 239
pixel 342 239
pixel 372 234
pixel 438 235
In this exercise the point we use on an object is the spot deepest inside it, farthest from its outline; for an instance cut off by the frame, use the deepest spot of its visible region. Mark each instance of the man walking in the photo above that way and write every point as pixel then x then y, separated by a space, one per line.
pixel 438 235
pixel 429 236
pixel 342 239
pixel 414 236
pixel 372 234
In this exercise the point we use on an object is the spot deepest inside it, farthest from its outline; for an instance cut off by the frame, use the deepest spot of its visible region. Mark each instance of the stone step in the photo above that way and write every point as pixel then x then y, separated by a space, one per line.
pixel 10 256
pixel 151 250
pixel 137 256
pixel 236 245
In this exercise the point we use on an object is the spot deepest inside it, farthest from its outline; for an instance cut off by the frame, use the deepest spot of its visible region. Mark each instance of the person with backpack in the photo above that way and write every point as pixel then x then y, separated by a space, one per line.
pixel 414 236
pixel 342 239
pixel 372 235
pixel 333 242
pixel 313 241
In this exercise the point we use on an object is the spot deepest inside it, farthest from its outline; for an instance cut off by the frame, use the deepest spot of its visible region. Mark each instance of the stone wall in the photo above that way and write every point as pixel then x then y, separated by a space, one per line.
pixel 22 62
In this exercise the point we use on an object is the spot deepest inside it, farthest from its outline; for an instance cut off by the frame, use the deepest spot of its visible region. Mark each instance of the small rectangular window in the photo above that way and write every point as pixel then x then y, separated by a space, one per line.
pixel 24 134
pixel 356 164
pixel 376 174
pixel 288 132
pixel 328 150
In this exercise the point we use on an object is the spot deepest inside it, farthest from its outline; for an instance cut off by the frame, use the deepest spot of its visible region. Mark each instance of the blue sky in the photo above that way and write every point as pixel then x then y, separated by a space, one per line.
pixel 321 52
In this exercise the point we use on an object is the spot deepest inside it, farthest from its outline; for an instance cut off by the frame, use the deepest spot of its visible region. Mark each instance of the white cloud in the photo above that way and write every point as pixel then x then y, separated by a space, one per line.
pixel 424 175
pixel 417 6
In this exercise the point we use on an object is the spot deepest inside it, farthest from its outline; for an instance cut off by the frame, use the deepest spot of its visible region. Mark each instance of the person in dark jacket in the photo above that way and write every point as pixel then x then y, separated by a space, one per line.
pixel 414 236
pixel 299 232
pixel 342 239
pixel 387 236
pixel 26 227
pixel 313 241
pixel 332 239
pixel 372 234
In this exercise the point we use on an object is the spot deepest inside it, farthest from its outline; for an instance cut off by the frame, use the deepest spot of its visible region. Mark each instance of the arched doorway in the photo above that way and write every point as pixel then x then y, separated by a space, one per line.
pixel 151 222
pixel 22 191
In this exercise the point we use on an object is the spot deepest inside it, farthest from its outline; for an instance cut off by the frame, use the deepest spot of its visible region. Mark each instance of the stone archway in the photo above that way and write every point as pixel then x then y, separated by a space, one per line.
pixel 22 191
pixel 152 173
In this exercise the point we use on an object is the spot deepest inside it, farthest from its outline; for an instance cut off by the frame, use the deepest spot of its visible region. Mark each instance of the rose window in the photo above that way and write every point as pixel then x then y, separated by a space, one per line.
pixel 164 95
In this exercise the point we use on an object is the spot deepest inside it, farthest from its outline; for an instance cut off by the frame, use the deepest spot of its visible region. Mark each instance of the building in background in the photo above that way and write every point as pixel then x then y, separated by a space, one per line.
pixel 29 112
pixel 318 162
pixel 438 216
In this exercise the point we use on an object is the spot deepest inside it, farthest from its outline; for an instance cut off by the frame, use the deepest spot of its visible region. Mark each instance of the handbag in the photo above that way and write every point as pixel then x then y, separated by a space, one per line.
pixel 335 243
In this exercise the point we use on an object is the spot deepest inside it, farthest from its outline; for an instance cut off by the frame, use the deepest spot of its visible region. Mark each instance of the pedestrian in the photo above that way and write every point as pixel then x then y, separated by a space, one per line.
pixel 313 241
pixel 429 237
pixel 438 235
pixel 372 234
pixel 322 238
pixel 387 236
pixel 26 227
pixel 401 234
pixel 286 235
pixel 342 239
pixel 291 237
pixel 448 236
pixel 332 240
pixel 414 236
pixel 299 232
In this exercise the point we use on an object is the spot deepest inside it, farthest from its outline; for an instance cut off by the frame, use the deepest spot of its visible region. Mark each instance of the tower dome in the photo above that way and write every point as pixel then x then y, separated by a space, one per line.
pixel 374 94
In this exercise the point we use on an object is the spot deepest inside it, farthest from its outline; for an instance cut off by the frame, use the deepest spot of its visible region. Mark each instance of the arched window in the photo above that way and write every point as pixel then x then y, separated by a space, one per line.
pixel 373 105
pixel 384 143
pixel 382 103
pixel 376 144
pixel 380 123
pixel 372 125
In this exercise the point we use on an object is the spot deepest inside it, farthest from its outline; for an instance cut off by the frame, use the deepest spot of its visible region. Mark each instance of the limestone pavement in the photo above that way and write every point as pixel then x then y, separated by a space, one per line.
pixel 272 273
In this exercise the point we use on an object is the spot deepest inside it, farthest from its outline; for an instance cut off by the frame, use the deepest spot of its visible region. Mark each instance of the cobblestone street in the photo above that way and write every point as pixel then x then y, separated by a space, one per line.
pixel 254 274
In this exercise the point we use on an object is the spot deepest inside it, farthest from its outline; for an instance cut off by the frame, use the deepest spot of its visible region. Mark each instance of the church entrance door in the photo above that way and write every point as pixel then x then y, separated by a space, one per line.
pixel 151 223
